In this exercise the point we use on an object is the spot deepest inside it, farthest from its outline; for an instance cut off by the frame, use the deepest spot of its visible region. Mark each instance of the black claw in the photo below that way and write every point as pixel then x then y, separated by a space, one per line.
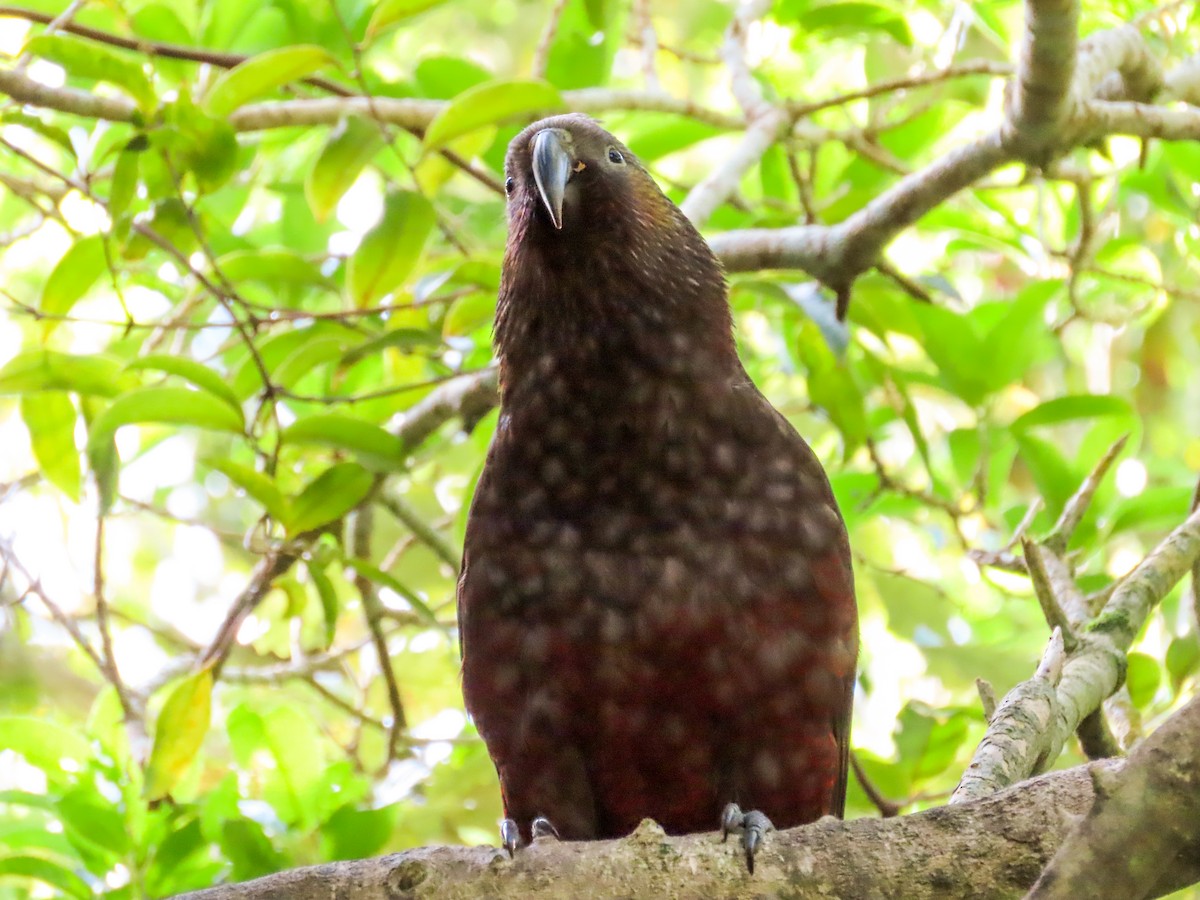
pixel 752 826
pixel 731 820
pixel 510 836
pixel 543 828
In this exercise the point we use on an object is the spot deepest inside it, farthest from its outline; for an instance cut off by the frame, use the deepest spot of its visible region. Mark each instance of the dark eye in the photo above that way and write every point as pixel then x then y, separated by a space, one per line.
pixel 614 155
pixel 509 184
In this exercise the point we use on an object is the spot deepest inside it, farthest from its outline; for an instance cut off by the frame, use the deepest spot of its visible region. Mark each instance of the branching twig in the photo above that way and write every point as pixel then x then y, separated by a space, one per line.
pixel 1091 673
pixel 360 543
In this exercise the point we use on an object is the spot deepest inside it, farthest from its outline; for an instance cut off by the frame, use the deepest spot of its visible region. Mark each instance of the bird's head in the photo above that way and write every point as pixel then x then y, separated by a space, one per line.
pixel 568 179
pixel 599 259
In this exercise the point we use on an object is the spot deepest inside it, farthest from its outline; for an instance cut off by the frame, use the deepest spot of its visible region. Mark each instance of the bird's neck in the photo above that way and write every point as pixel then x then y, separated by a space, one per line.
pixel 602 324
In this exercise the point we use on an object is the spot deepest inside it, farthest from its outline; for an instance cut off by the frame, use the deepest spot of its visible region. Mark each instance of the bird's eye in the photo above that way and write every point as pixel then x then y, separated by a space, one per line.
pixel 509 184
pixel 614 155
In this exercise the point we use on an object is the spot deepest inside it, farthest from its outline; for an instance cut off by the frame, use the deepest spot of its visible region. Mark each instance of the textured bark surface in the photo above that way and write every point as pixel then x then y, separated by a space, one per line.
pixel 1142 815
pixel 991 848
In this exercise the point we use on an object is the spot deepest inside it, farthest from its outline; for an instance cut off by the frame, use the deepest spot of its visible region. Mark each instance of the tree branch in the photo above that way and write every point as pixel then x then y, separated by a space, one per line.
pixel 1011 750
pixel 1150 806
pixel 1040 101
pixel 992 848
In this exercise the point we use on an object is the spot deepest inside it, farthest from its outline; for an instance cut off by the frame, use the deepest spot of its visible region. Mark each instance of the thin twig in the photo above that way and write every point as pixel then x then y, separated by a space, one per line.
pixel 34 587
pixel 541 56
pixel 360 542
pixel 648 41
pixel 111 673
pixel 887 808
pixel 1076 508
pixel 399 507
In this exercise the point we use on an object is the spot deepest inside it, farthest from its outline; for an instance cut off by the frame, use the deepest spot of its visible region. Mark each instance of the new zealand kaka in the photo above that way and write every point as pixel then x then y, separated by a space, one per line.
pixel 656 607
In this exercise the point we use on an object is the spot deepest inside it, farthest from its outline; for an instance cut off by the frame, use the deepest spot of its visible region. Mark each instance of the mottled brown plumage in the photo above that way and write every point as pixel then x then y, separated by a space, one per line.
pixel 656 608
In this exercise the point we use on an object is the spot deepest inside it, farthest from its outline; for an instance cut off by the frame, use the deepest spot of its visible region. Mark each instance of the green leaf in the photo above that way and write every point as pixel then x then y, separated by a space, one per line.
pixel 597 13
pixel 582 51
pixel 166 406
pixel 1022 333
pixel 273 266
pixel 1142 677
pixel 43 743
pixel 853 20
pixel 1071 408
pixel 955 348
pixel 72 277
pixel 294 782
pixel 94 62
pixel 1157 508
pixel 191 371
pixel 330 607
pixel 831 386
pixel 329 496
pixel 263 73
pixel 179 732
pixel 358 833
pixel 50 418
pixel 382 578
pixel 254 483
pixel 123 187
pixel 350 147
pixel 244 843
pixel 392 12
pixel 161 405
pixel 1183 659
pixel 1054 477
pixel 48 872
pixel 491 104
pixel 52 133
pixel 389 251
pixel 90 817
pixel 347 433
pixel 406 339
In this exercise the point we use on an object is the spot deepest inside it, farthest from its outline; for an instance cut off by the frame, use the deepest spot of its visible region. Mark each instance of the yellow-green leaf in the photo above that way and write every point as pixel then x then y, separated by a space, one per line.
pixel 49 370
pixel 329 496
pixel 48 872
pixel 72 277
pixel 189 370
pixel 389 251
pixel 160 405
pixel 328 596
pixel 488 104
pixel 50 418
pixel 179 732
pixel 349 148
pixel 91 61
pixel 390 12
pixel 263 73
pixel 346 433
pixel 272 266
pixel 168 406
pixel 44 744
pixel 254 483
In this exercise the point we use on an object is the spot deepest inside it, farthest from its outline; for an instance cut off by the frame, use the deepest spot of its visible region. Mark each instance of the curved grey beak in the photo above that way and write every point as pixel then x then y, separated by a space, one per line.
pixel 552 164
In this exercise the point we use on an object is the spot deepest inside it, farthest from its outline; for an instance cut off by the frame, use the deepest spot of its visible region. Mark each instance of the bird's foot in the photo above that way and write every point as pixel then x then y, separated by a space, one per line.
pixel 510 834
pixel 752 826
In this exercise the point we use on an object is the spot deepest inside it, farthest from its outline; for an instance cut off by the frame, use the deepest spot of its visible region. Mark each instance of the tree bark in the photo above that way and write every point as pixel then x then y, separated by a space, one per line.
pixel 990 848
pixel 1144 823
